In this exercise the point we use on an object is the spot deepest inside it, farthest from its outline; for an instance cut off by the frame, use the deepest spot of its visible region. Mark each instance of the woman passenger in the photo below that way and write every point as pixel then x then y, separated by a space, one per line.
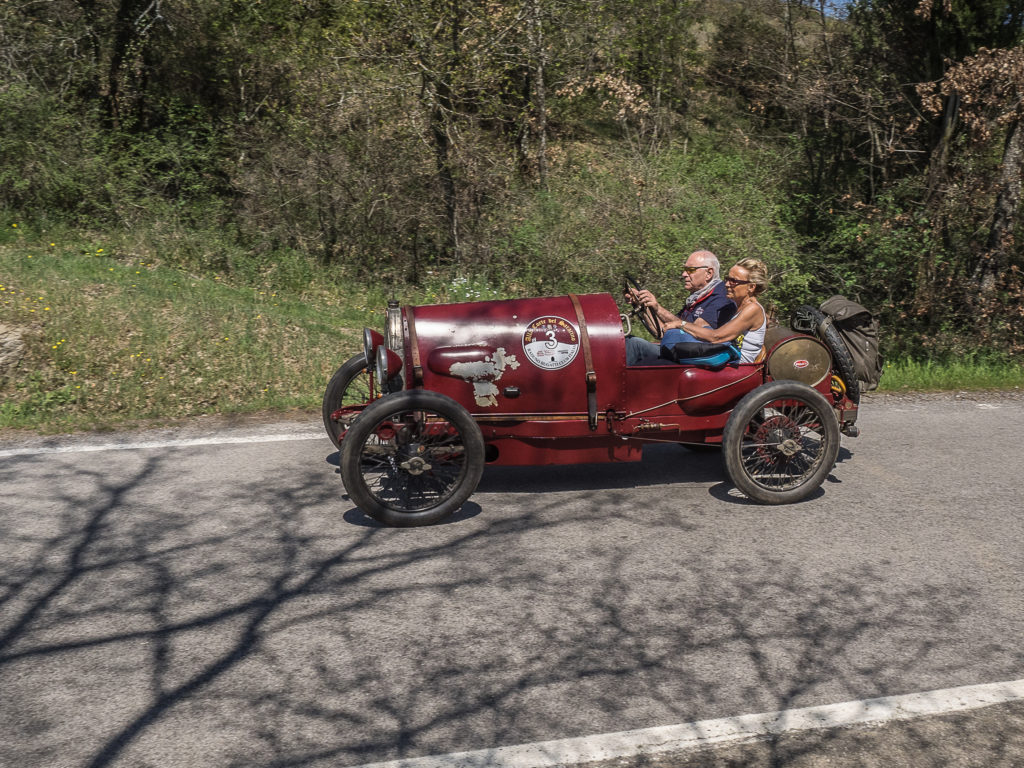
pixel 747 280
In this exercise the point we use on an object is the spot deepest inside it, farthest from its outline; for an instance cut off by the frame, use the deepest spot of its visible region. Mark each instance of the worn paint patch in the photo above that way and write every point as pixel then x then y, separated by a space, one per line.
pixel 484 374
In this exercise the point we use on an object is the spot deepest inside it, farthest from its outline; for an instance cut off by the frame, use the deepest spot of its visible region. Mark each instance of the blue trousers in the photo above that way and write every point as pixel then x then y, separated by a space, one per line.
pixel 642 352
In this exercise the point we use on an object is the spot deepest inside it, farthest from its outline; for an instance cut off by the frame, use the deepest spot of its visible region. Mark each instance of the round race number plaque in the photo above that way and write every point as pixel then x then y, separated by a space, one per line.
pixel 551 342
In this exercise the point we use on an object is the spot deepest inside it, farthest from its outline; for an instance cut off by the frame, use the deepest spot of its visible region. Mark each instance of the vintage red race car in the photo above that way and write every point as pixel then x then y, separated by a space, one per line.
pixel 446 389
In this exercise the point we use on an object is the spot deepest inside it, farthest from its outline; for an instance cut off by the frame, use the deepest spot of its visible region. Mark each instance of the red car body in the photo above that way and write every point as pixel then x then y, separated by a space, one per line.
pixel 545 381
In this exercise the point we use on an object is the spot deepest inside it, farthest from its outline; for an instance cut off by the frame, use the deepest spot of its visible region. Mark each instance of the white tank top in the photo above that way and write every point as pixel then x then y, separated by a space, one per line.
pixel 752 341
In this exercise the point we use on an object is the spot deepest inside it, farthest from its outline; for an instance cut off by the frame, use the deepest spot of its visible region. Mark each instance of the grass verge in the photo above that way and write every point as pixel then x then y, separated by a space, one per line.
pixel 103 339
pixel 930 376
pixel 101 335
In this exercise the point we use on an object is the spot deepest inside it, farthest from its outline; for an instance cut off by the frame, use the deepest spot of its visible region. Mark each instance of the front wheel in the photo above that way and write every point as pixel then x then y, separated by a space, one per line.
pixel 412 458
pixel 350 388
pixel 780 442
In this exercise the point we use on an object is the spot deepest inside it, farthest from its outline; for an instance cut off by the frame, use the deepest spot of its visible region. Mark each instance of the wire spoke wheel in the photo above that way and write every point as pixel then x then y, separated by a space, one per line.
pixel 418 465
pixel 780 442
pixel 785 446
pixel 412 458
pixel 350 389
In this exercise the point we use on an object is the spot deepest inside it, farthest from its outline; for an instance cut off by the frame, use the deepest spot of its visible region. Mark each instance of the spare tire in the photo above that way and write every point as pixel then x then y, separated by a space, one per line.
pixel 808 319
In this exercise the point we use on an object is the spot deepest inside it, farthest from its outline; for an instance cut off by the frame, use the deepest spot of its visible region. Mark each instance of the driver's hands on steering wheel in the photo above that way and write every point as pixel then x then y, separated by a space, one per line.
pixel 645 306
pixel 640 297
pixel 645 298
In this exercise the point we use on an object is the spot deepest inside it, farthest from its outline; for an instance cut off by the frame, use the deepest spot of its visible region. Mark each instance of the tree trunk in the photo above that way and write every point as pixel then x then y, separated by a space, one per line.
pixel 539 100
pixel 825 44
pixel 440 124
pixel 124 36
pixel 938 167
pixel 93 89
pixel 131 26
pixel 1004 217
pixel 939 161
pixel 438 78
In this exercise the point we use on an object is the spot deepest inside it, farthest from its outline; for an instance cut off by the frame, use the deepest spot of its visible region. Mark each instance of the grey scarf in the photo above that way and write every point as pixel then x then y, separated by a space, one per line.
pixel 700 293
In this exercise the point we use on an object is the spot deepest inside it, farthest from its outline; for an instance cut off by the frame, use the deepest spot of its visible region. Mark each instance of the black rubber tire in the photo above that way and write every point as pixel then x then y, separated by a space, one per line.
pixel 780 442
pixel 352 384
pixel 376 469
pixel 842 360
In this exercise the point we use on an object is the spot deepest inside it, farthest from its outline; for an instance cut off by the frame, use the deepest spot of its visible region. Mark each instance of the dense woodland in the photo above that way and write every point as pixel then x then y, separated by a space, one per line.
pixel 871 148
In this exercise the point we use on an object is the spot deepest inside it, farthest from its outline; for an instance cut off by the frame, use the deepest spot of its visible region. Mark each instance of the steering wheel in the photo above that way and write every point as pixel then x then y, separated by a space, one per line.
pixel 647 315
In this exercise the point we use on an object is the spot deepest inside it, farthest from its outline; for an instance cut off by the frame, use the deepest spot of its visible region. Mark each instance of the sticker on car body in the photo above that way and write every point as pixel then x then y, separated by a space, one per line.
pixel 551 342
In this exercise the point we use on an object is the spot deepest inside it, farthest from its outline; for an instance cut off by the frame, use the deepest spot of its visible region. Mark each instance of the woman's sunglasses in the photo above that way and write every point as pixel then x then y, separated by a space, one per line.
pixel 735 281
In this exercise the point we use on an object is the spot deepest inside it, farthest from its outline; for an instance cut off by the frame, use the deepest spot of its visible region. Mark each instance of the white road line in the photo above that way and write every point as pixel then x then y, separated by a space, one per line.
pixel 178 443
pixel 705 733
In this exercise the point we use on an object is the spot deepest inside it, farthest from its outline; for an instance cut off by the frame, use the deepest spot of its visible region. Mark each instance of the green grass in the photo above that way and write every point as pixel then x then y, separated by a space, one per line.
pixel 110 340
pixel 931 376
pixel 113 336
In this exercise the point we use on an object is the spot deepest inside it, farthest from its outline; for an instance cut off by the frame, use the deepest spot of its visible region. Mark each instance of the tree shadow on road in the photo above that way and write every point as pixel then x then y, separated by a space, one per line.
pixel 265 625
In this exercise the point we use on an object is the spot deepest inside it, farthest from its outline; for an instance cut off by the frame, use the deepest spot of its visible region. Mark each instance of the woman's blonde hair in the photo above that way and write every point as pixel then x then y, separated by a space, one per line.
pixel 757 273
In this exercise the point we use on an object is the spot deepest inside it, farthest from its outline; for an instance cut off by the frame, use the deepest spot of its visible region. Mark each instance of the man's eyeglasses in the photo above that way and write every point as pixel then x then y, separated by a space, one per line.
pixel 691 270
pixel 736 281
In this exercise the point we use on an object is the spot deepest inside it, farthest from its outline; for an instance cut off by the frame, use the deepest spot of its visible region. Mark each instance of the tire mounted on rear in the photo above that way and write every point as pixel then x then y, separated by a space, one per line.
pixel 842 360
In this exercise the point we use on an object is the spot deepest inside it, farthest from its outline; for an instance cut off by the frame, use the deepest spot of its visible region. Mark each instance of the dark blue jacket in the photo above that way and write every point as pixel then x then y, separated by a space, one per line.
pixel 716 308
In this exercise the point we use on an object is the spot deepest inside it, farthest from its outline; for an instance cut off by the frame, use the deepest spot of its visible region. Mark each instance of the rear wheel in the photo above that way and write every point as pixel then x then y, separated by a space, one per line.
pixel 351 387
pixel 780 442
pixel 412 458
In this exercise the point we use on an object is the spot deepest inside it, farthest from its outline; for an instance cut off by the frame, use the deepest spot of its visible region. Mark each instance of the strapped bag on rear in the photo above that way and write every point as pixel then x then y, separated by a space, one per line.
pixel 859 330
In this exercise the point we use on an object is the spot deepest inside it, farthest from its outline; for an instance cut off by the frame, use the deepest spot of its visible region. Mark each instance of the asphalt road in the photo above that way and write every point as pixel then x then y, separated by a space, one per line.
pixel 224 605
